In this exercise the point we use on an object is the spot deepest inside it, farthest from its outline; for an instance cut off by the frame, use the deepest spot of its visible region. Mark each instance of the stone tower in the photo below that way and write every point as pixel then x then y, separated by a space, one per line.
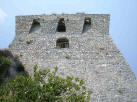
pixel 80 45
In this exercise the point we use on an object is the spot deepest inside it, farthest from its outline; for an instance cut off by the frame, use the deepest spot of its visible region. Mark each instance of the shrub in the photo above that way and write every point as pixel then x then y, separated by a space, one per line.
pixel 8 63
pixel 4 65
pixel 44 86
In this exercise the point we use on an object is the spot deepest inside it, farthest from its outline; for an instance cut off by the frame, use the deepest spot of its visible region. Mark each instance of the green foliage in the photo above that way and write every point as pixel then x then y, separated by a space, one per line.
pixel 67 57
pixel 4 64
pixel 44 86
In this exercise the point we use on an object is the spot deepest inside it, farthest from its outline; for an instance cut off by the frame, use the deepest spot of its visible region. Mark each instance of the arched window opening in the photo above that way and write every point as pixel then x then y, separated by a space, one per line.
pixel 61 25
pixel 62 43
pixel 87 24
pixel 35 26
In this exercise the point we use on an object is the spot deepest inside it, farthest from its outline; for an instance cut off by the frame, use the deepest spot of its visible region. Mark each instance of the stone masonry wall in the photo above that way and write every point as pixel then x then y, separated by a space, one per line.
pixel 91 56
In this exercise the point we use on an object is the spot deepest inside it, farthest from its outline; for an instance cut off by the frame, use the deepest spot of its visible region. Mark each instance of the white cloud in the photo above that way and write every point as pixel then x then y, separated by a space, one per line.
pixel 3 15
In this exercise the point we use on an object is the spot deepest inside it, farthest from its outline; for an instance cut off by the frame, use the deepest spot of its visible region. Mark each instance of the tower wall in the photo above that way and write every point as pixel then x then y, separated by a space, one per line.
pixel 91 55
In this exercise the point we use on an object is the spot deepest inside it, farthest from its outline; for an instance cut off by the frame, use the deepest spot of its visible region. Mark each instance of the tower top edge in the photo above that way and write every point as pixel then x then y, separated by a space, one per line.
pixel 55 14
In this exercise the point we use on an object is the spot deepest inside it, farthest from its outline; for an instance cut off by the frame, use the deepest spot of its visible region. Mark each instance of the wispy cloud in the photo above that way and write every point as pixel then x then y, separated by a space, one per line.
pixel 3 15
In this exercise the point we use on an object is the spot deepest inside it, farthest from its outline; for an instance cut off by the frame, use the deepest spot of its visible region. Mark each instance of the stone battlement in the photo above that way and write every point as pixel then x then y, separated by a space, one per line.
pixel 74 23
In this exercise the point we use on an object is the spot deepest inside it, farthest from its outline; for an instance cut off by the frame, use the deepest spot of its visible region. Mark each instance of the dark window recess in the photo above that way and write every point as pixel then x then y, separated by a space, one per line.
pixel 61 25
pixel 35 26
pixel 87 24
pixel 62 43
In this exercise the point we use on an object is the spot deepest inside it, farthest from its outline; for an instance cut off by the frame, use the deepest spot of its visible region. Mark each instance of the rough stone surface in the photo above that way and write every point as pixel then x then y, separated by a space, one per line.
pixel 92 55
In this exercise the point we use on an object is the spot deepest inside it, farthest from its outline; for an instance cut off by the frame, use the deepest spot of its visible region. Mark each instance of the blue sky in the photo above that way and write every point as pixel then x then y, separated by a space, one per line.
pixel 123 24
